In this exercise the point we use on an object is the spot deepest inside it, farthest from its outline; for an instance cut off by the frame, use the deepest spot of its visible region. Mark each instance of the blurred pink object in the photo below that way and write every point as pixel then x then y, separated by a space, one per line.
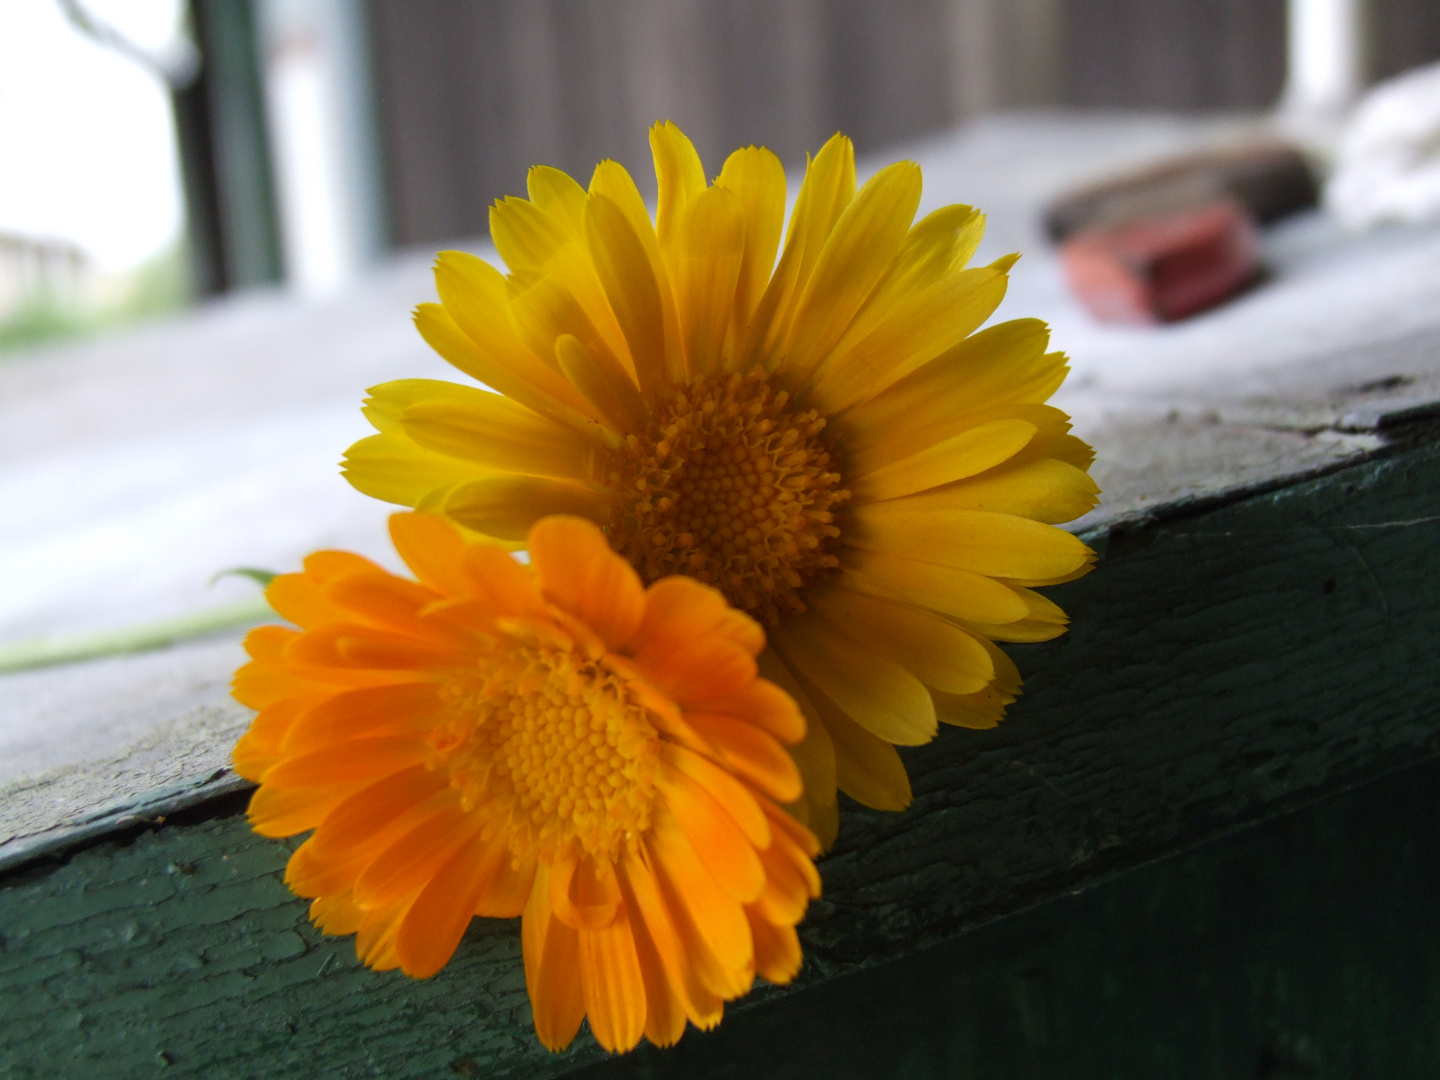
pixel 1162 268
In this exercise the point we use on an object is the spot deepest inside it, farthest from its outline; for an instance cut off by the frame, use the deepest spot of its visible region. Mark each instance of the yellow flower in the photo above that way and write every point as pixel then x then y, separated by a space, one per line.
pixel 554 742
pixel 830 443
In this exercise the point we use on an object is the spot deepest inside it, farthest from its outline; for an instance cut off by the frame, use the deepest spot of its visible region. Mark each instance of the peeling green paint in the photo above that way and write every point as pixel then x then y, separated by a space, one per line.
pixel 1224 667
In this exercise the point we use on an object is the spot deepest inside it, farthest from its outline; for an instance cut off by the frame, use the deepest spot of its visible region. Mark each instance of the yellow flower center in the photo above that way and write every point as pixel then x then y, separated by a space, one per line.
pixel 553 747
pixel 731 487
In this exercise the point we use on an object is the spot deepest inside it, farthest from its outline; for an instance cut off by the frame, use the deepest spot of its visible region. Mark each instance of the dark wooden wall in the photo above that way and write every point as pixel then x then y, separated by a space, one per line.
pixel 472 92
pixel 1174 54
pixel 1403 34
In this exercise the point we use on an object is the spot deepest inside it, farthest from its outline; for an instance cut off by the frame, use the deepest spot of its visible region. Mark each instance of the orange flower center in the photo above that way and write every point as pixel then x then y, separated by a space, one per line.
pixel 553 747
pixel 731 487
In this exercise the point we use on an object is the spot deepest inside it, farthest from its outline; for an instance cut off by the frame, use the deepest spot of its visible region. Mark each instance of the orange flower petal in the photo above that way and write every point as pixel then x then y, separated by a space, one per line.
pixel 701 669
pixel 584 893
pixel 363 818
pixel 433 549
pixel 681 962
pixel 416 856
pixel 580 574
pixel 786 893
pixel 286 811
pixel 777 948
pixel 702 904
pixel 664 1009
pixel 393 709
pixel 336 914
pixel 393 603
pixel 507 888
pixel 502 581
pixel 724 849
pixel 375 939
pixel 342 645
pixel 751 753
pixel 680 609
pixel 737 800
pixel 762 703
pixel 363 760
pixel 436 922
pixel 614 988
pixel 552 963
pixel 259 748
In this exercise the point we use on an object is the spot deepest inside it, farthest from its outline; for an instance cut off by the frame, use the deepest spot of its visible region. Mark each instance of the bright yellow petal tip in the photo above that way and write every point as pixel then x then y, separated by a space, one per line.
pixel 551 741
pixel 814 427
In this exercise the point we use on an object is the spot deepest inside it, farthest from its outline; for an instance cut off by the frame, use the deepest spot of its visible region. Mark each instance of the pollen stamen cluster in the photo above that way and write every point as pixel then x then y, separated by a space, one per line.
pixel 731 487
pixel 553 750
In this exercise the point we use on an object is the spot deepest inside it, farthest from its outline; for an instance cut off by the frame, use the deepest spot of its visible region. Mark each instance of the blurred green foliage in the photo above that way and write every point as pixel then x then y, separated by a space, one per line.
pixel 157 287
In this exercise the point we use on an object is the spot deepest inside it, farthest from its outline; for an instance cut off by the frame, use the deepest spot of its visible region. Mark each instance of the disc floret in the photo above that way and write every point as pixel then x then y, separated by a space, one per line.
pixel 558 748
pixel 732 486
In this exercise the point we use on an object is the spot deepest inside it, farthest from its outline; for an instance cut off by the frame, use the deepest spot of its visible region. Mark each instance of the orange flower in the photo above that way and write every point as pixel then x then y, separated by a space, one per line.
pixel 555 742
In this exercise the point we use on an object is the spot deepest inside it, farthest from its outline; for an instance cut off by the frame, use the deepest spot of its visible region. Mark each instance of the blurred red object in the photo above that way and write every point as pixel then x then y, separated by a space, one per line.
pixel 1162 268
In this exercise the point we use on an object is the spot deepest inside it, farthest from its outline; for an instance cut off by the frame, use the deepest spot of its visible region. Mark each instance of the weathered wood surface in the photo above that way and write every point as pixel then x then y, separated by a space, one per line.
pixel 1225 665
pixel 1260 631
pixel 1305 948
pixel 133 469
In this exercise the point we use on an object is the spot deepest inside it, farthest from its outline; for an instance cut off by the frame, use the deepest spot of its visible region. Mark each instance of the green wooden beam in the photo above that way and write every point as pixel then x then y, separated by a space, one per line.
pixel 1229 663
pixel 1305 948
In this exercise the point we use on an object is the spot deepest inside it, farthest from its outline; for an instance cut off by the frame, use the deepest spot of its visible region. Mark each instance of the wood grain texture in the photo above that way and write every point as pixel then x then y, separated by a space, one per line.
pixel 1226 665
pixel 1305 947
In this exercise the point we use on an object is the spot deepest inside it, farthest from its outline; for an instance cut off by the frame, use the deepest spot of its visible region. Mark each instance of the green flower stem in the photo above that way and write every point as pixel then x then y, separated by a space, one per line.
pixel 68 648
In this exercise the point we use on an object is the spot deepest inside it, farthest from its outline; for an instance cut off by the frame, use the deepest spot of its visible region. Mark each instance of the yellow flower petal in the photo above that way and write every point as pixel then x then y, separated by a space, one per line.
pixel 386 403
pixel 518 375
pixel 706 267
pixel 545 240
pixel 1051 428
pixel 604 382
pixel 1002 364
pixel 979 712
pixel 960 593
pixel 936 652
pixel 866 238
pixel 1045 490
pixel 506 507
pixel 867 768
pixel 557 194
pixel 827 189
pixel 526 235
pixel 964 454
pixel 393 468
pixel 628 276
pixel 680 178
pixel 1043 620
pixel 997 545
pixel 916 331
pixel 499 435
pixel 757 179
pixel 611 181
pixel 879 694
